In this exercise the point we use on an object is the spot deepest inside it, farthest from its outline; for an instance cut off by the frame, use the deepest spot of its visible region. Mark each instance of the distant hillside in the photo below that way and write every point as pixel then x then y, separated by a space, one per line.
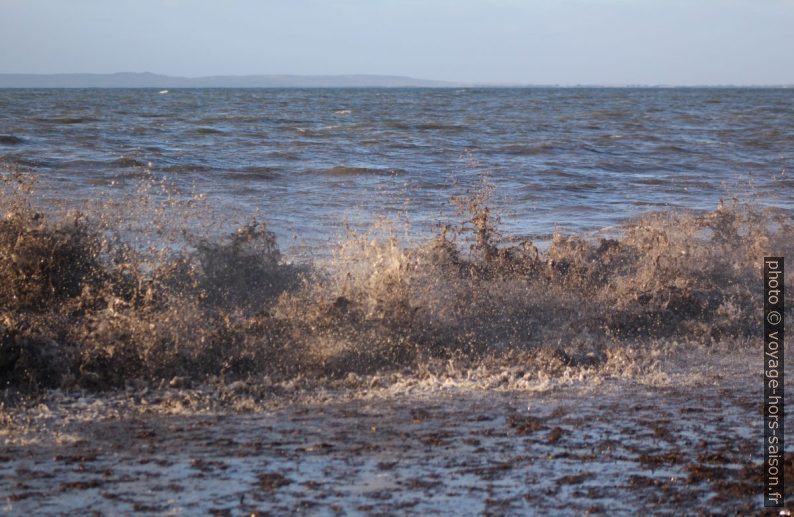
pixel 147 80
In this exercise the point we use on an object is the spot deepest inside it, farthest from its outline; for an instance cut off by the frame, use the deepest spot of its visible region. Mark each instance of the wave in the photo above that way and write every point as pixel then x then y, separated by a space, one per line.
pixel 15 161
pixel 127 161
pixel 67 120
pixel 230 119
pixel 672 148
pixel 84 302
pixel 11 140
pixel 341 170
pixel 97 165
pixel 186 167
pixel 207 131
pixel 559 172
pixel 528 149
pixel 330 129
pixel 424 126
pixel 284 155
pixel 253 173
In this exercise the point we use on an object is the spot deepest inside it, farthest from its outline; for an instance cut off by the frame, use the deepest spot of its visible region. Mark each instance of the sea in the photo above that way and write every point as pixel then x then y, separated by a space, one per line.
pixel 317 161
pixel 477 301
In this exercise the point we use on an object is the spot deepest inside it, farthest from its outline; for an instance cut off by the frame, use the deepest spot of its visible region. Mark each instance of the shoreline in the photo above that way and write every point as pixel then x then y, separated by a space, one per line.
pixel 608 445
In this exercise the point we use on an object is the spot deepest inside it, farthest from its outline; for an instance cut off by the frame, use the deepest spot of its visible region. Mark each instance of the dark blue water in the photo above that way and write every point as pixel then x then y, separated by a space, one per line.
pixel 314 160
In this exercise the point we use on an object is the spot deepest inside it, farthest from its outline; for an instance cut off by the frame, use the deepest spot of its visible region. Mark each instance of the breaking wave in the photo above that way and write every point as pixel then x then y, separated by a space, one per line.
pixel 103 297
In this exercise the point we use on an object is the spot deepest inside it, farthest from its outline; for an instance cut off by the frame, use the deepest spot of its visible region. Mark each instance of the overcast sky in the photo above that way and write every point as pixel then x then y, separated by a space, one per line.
pixel 506 41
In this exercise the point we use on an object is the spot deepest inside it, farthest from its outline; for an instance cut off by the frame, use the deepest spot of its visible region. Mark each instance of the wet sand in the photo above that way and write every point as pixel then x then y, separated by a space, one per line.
pixel 616 448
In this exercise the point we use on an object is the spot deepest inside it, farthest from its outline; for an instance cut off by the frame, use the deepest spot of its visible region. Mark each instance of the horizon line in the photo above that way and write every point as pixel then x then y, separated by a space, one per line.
pixel 439 83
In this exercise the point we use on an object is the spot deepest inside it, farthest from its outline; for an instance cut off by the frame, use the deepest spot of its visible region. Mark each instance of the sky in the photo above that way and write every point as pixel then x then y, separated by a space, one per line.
pixel 566 42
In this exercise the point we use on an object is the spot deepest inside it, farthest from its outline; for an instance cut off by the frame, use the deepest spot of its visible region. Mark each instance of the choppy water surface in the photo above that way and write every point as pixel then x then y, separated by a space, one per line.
pixel 454 366
pixel 314 160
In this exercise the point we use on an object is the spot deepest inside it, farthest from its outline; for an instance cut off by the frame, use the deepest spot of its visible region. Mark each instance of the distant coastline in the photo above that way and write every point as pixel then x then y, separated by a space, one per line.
pixel 149 80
